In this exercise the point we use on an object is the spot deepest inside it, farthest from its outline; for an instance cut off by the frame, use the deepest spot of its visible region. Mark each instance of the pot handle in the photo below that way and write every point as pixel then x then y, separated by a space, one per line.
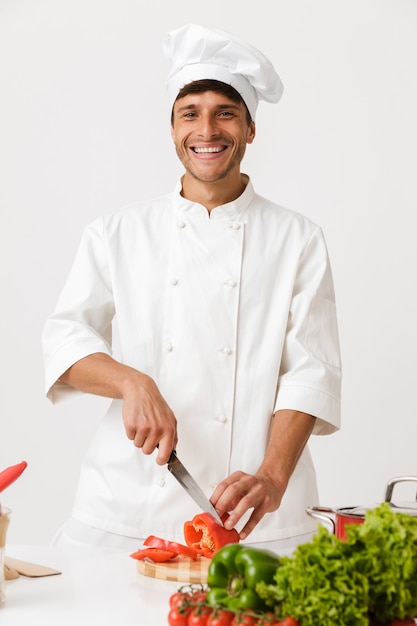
pixel 322 514
pixel 391 484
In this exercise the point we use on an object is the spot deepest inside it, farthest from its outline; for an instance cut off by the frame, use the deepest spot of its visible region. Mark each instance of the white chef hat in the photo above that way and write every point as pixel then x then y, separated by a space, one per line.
pixel 197 53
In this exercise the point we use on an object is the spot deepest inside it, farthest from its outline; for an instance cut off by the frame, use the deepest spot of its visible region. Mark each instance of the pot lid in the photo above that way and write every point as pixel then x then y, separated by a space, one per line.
pixel 410 508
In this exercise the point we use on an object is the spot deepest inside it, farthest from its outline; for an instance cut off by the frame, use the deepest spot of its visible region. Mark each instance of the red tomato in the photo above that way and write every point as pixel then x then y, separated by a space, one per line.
pixel 199 616
pixel 288 621
pixel 177 617
pixel 198 596
pixel 268 619
pixel 220 618
pixel 178 599
pixel 403 622
pixel 244 619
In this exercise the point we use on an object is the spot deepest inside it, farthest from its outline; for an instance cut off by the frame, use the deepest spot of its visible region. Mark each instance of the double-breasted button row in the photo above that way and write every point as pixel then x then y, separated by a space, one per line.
pixel 231 225
pixel 226 350
pixel 229 282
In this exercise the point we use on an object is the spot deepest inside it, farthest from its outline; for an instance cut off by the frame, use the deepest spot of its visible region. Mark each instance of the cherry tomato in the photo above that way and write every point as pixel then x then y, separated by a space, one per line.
pixel 220 618
pixel 198 596
pixel 177 617
pixel 199 616
pixel 268 619
pixel 178 599
pixel 244 619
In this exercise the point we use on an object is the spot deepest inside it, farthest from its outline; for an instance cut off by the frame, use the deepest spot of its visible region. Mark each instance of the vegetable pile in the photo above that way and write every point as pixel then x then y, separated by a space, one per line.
pixel 371 578
pixel 368 579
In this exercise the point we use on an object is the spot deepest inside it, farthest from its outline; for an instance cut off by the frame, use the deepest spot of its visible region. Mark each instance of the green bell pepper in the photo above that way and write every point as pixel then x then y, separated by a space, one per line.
pixel 233 574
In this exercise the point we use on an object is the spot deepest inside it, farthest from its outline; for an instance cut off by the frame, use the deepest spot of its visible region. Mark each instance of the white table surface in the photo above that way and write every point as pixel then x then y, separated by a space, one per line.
pixel 103 589
pixel 93 588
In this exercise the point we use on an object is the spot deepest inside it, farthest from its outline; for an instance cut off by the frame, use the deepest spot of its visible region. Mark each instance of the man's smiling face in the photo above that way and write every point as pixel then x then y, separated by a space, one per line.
pixel 210 133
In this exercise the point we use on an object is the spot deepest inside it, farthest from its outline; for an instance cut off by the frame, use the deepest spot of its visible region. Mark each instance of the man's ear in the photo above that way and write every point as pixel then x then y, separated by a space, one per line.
pixel 251 133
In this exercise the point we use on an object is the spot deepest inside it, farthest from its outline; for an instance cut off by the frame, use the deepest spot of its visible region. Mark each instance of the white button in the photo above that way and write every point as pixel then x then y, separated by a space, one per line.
pixel 226 350
pixel 161 482
pixel 231 282
pixel 234 225
pixel 221 418
pixel 181 224
pixel 169 347
pixel 174 281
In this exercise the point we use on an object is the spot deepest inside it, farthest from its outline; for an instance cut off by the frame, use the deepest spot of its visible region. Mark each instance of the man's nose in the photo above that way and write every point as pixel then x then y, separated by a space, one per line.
pixel 208 127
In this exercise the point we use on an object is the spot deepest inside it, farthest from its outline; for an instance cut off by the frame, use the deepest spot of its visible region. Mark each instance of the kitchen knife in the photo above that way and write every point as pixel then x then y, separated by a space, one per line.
pixel 186 481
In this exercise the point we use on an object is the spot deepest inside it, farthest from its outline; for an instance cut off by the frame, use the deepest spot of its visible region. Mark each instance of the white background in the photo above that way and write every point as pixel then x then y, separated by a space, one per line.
pixel 84 129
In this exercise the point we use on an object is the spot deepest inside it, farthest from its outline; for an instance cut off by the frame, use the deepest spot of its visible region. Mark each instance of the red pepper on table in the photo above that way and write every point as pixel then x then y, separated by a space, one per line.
pixel 205 535
pixel 157 555
pixel 171 546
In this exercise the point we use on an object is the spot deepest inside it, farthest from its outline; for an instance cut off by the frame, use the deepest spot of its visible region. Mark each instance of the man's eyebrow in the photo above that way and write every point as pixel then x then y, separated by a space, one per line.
pixel 230 105
pixel 192 106
pixel 186 107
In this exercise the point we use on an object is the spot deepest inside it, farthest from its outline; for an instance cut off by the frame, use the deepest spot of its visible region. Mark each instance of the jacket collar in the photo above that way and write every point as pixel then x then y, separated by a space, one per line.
pixel 232 210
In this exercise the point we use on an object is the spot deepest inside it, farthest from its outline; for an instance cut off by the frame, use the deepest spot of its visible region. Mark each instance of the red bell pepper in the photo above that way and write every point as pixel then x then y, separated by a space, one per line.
pixel 205 535
pixel 157 555
pixel 171 546
pixel 10 474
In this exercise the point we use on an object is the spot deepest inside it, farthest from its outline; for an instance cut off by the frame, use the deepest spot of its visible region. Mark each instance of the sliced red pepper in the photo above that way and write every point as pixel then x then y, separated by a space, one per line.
pixel 154 554
pixel 171 546
pixel 10 474
pixel 205 535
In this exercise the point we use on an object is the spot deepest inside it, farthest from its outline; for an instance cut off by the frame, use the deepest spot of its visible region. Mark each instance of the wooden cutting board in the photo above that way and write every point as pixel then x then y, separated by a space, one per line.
pixel 181 569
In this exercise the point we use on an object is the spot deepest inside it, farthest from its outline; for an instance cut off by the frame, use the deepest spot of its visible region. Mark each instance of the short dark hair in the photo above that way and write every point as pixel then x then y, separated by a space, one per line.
pixel 208 84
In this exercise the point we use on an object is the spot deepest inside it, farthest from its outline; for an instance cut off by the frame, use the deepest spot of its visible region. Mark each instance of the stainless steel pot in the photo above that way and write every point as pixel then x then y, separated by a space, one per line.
pixel 337 519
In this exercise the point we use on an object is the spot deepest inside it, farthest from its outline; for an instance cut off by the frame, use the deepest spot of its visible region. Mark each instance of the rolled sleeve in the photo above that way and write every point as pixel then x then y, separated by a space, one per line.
pixel 81 323
pixel 310 374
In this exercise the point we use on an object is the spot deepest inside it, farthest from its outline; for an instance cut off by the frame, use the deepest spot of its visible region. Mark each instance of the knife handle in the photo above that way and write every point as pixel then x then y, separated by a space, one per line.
pixel 173 454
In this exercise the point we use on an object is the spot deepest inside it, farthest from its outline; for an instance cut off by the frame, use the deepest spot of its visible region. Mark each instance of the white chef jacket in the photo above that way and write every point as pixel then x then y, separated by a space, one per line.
pixel 233 315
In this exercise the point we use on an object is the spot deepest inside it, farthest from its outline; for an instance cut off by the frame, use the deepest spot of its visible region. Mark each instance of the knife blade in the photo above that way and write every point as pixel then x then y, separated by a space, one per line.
pixel 188 483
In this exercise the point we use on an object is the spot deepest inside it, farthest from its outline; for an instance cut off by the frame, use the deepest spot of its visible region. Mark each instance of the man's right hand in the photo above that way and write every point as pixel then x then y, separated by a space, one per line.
pixel 148 420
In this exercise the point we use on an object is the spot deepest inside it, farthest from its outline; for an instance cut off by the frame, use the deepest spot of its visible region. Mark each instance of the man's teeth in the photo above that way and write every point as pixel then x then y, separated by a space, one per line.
pixel 200 150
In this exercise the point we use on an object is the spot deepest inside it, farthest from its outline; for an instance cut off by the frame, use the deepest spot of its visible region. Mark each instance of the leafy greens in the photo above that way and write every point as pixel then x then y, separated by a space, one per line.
pixel 370 576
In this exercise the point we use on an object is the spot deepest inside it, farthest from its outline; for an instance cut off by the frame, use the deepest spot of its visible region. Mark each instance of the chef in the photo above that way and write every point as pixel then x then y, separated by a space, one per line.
pixel 227 340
